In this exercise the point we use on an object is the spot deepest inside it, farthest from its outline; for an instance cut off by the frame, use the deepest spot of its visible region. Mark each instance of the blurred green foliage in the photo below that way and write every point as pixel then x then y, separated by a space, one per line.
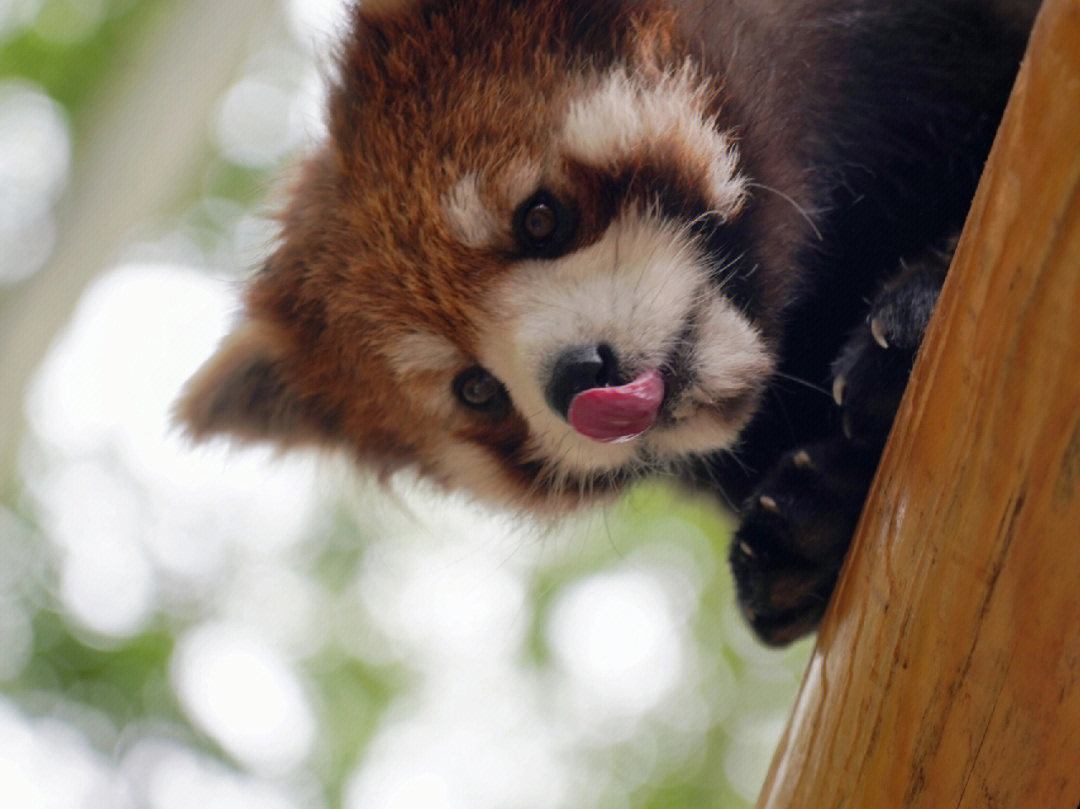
pixel 71 71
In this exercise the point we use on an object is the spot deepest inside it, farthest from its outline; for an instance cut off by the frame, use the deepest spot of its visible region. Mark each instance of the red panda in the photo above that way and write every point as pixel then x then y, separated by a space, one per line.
pixel 550 247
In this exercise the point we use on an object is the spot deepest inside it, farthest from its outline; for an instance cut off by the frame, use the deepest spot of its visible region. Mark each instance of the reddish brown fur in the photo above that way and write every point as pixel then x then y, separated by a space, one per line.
pixel 363 259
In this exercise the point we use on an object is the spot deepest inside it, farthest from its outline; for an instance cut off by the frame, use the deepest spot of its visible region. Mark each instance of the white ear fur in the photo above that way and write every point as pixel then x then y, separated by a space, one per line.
pixel 241 391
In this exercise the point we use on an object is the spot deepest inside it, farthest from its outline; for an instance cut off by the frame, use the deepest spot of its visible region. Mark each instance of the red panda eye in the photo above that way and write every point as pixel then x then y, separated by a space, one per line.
pixel 544 226
pixel 479 390
pixel 540 221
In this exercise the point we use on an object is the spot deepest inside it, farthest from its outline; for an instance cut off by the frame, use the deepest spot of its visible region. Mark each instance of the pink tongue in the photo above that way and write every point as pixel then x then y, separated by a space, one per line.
pixel 615 414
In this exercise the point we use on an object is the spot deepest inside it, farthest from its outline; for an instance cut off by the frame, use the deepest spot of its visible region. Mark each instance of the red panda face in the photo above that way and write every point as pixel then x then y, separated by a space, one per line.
pixel 507 270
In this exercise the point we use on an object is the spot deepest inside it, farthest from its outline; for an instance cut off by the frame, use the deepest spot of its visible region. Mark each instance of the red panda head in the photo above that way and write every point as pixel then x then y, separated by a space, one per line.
pixel 507 268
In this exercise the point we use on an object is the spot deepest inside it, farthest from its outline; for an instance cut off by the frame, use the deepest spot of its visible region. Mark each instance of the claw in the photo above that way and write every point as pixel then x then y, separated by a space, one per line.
pixel 745 548
pixel 849 432
pixel 839 385
pixel 768 503
pixel 802 460
pixel 878 333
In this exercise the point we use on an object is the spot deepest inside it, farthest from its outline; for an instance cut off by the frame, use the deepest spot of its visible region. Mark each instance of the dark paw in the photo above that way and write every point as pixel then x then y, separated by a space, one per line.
pixel 872 370
pixel 795 529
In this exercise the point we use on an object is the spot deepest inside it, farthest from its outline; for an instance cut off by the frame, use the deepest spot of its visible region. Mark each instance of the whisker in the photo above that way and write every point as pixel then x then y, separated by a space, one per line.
pixel 803 382
pixel 802 211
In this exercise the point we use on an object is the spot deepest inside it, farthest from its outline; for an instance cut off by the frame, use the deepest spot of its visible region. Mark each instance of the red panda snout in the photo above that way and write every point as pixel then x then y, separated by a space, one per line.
pixel 578 369
pixel 640 300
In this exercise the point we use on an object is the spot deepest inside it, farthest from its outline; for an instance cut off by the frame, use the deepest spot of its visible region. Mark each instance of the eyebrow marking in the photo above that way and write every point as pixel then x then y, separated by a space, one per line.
pixel 421 352
pixel 626 119
pixel 470 218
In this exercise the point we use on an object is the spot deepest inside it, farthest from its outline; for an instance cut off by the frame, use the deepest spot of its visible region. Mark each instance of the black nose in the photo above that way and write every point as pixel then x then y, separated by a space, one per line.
pixel 578 369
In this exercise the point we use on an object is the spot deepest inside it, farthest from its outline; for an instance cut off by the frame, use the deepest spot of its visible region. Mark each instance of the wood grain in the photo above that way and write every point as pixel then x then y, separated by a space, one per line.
pixel 947 670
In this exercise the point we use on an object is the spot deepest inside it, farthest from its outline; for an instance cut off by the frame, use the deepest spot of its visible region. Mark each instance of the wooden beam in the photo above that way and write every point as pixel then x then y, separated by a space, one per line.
pixel 947 670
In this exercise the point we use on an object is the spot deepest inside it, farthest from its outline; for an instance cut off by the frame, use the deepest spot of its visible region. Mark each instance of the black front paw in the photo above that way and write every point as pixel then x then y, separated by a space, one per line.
pixel 872 370
pixel 795 529
pixel 798 523
pixel 781 595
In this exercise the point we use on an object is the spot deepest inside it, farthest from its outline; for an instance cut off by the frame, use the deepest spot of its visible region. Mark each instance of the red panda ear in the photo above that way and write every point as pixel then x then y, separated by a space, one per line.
pixel 242 391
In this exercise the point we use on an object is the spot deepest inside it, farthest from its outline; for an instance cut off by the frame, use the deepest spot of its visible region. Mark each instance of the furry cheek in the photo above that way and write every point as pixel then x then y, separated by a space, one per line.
pixel 730 367
pixel 457 464
pixel 731 358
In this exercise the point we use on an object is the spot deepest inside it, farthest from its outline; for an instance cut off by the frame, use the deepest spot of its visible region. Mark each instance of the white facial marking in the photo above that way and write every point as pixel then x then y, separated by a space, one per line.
pixel 426 363
pixel 730 357
pixel 423 352
pixel 728 360
pixel 625 117
pixel 622 291
pixel 636 289
pixel 481 216
pixel 471 220
pixel 461 464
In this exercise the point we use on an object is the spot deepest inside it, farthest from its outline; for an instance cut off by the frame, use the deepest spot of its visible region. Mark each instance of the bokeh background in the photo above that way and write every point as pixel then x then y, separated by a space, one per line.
pixel 217 628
